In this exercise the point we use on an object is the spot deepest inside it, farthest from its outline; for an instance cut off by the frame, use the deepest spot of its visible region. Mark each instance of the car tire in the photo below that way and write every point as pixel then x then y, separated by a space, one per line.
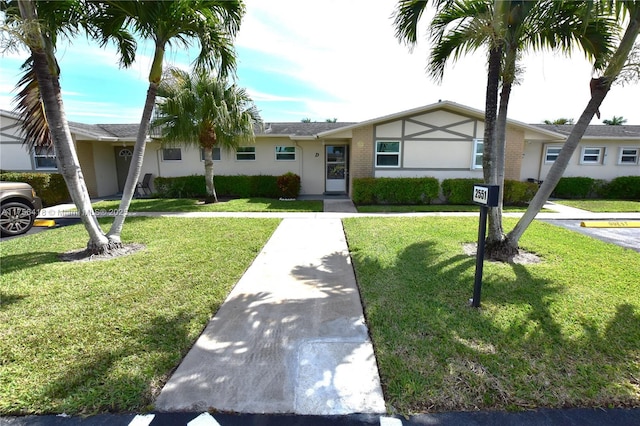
pixel 16 218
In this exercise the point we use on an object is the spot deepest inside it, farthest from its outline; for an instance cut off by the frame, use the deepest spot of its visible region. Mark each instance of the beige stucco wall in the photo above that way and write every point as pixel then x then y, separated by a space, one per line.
pixel 607 170
pixel 85 157
pixel 311 166
pixel 532 155
pixel 438 144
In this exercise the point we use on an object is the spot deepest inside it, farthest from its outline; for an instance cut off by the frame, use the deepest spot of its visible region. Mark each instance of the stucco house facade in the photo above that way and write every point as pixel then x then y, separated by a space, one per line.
pixel 441 140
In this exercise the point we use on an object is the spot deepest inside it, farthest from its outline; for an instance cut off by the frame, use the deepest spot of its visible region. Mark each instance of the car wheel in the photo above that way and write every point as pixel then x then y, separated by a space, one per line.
pixel 16 218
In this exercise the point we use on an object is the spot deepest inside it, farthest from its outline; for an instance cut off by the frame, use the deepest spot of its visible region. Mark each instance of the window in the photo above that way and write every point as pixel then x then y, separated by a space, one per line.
pixel 44 158
pixel 628 156
pixel 246 153
pixel 171 154
pixel 591 155
pixel 285 153
pixel 551 154
pixel 478 151
pixel 216 154
pixel 387 154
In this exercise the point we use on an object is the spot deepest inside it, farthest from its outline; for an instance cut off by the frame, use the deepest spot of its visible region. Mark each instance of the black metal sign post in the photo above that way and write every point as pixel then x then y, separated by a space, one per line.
pixel 486 196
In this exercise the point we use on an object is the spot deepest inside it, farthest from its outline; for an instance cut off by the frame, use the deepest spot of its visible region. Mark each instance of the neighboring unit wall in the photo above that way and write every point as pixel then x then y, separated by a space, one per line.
pixel 14 155
pixel 311 173
pixel 607 167
pixel 85 157
pixel 439 144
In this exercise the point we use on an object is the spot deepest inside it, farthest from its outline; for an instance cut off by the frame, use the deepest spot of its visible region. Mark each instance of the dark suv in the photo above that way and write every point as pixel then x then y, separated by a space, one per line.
pixel 19 207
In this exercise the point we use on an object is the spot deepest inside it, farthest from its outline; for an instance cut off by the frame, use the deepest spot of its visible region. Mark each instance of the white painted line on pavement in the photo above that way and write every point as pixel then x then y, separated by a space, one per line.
pixel 204 419
pixel 390 421
pixel 142 420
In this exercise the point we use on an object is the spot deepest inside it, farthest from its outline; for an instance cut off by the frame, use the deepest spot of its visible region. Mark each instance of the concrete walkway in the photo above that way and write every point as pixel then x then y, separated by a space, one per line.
pixel 290 338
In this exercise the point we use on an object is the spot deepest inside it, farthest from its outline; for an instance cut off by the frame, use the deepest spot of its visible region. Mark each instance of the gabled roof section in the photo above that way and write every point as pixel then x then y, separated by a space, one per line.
pixel 441 105
pixel 599 131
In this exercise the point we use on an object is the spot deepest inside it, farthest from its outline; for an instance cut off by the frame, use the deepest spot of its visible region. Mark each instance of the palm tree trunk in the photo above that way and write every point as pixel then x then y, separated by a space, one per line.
pixel 208 173
pixel 491 106
pixel 136 165
pixel 601 88
pixel 155 75
pixel 67 159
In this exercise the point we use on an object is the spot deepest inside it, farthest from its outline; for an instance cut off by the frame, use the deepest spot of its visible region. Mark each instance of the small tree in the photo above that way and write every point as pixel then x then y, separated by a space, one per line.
pixel 615 121
pixel 205 111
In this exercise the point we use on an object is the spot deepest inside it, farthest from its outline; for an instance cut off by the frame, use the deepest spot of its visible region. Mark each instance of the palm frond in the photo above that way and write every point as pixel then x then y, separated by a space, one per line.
pixel 29 106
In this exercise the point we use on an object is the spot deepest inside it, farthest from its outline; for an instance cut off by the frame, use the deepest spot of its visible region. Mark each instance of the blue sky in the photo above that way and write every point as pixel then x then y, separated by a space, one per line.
pixel 326 59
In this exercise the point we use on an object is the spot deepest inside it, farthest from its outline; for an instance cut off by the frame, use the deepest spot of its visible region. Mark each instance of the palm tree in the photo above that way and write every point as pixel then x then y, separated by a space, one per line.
pixel 615 121
pixel 39 102
pixel 506 28
pixel 615 68
pixel 212 23
pixel 206 111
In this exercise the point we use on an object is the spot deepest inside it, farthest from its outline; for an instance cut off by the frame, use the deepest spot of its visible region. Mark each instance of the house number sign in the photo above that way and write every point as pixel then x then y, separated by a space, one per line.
pixel 486 196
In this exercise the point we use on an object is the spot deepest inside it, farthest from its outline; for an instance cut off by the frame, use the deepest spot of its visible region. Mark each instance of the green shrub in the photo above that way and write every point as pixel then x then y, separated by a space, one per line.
pixel 459 191
pixel 180 187
pixel 363 189
pixel 50 187
pixel 518 193
pixel 227 186
pixel 395 190
pixel 574 187
pixel 623 188
pixel 289 185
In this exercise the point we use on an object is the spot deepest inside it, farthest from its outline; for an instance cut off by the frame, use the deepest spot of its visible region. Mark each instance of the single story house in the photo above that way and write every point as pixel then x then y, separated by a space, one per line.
pixel 441 140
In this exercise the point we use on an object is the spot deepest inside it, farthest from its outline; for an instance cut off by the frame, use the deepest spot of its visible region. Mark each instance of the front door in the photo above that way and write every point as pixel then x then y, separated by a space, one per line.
pixel 123 161
pixel 336 168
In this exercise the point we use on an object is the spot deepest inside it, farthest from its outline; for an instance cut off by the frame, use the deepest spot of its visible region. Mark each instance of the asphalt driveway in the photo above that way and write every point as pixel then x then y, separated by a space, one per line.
pixel 624 237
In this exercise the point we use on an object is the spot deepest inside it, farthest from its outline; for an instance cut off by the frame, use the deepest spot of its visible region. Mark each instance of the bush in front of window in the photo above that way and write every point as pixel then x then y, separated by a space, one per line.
pixel 226 186
pixel 289 185
pixel 575 188
pixel 623 188
pixel 50 187
pixel 395 190
pixel 518 193
pixel 459 191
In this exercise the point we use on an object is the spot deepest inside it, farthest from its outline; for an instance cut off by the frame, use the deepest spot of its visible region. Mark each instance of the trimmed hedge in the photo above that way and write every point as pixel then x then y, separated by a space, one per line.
pixel 227 186
pixel 574 187
pixel 50 187
pixel 623 188
pixel 459 191
pixel 518 193
pixel 395 190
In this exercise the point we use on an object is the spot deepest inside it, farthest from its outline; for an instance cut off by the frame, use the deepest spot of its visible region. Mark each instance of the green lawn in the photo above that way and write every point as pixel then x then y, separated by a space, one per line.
pixel 104 335
pixel 429 208
pixel 603 206
pixel 234 205
pixel 562 333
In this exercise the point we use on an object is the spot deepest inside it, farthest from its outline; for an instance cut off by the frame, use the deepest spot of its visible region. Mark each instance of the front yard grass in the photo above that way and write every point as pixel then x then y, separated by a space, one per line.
pixel 603 206
pixel 232 205
pixel 561 333
pixel 82 338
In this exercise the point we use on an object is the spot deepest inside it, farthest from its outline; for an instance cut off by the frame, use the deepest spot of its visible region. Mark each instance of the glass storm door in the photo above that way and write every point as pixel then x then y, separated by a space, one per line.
pixel 336 168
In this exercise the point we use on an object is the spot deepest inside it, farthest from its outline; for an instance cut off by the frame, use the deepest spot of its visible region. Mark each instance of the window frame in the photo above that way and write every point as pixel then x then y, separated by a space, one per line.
pixel 546 153
pixel 284 153
pixel 628 148
pixel 216 149
pixel 475 154
pixel 51 153
pixel 250 150
pixel 174 149
pixel 387 154
pixel 600 156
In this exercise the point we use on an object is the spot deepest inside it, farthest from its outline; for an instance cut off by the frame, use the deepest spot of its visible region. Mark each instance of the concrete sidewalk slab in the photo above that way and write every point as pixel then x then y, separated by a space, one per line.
pixel 290 338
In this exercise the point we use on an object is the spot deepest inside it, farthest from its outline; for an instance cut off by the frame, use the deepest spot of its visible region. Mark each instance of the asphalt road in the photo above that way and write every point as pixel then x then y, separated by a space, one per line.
pixel 625 237
pixel 36 229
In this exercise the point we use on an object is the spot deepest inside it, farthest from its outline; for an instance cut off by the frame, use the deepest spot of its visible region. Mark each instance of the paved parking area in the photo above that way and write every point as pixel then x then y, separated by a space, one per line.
pixel 625 237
